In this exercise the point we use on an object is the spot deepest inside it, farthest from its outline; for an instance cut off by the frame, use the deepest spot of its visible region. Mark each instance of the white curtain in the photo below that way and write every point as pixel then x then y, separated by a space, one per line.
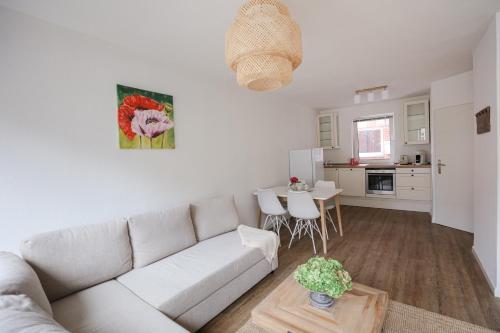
pixel 355 138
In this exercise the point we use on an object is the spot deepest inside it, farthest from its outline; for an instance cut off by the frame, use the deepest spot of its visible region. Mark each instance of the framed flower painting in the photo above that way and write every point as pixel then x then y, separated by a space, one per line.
pixel 145 119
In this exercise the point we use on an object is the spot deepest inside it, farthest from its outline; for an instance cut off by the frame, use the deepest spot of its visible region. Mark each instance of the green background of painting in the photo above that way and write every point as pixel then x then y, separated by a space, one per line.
pixel 164 141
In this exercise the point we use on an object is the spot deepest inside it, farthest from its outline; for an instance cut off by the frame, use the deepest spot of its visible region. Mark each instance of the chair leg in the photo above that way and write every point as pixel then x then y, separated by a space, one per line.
pixel 286 223
pixel 273 222
pixel 312 236
pixel 277 224
pixel 295 231
pixel 264 225
pixel 331 220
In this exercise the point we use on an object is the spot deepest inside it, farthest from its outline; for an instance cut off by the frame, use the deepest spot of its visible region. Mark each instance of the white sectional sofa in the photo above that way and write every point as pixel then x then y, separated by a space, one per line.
pixel 169 271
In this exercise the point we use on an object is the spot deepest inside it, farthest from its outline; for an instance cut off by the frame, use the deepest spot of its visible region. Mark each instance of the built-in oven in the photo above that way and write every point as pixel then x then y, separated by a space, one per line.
pixel 381 181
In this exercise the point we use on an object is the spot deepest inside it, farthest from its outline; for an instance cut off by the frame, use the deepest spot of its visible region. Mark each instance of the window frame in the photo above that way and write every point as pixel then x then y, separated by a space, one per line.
pixel 355 142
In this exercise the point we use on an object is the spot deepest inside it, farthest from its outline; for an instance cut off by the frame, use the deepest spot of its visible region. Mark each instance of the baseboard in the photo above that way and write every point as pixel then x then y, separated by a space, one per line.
pixel 494 290
pixel 388 203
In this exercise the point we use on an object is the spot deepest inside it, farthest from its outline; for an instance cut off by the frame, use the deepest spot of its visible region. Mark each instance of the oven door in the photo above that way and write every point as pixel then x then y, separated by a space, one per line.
pixel 381 182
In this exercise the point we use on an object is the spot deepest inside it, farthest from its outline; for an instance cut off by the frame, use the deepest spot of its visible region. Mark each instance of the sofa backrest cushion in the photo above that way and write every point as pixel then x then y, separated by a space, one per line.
pixel 157 235
pixel 215 216
pixel 73 259
pixel 17 277
pixel 19 313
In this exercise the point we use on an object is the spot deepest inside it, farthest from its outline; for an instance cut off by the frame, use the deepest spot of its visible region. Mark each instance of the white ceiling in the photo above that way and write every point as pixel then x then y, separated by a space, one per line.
pixel 348 44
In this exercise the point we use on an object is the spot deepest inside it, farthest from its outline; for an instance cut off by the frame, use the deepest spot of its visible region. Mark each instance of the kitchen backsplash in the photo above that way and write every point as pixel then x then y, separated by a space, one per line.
pixel 339 156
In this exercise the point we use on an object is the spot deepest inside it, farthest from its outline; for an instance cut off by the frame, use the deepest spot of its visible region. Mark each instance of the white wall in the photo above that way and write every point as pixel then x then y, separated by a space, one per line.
pixel 348 114
pixel 485 159
pixel 497 23
pixel 59 156
pixel 452 91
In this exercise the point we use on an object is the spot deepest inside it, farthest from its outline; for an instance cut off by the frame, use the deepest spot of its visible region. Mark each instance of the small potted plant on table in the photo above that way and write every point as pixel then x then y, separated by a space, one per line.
pixel 325 279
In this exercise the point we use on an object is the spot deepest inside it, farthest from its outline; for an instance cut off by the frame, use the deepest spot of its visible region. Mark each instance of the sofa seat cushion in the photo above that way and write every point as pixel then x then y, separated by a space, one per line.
pixel 177 283
pixel 109 308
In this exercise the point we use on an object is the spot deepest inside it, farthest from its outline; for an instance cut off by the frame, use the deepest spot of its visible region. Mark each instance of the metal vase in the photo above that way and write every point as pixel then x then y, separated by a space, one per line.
pixel 320 300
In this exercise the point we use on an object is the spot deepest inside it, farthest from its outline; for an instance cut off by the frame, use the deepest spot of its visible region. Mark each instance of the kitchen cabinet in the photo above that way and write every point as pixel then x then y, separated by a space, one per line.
pixel 352 181
pixel 413 184
pixel 328 134
pixel 416 127
pixel 332 175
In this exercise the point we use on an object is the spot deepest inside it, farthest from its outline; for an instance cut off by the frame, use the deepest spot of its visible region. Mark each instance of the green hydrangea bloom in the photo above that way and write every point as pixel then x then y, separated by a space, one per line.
pixel 324 276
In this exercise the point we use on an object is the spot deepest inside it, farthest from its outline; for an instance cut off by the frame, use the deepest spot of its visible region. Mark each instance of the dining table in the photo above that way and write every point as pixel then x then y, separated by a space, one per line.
pixel 320 195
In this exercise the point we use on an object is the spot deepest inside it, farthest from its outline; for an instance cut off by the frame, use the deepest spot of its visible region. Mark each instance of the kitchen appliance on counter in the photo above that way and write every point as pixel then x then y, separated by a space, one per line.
pixel 381 181
pixel 404 159
pixel 307 165
pixel 420 157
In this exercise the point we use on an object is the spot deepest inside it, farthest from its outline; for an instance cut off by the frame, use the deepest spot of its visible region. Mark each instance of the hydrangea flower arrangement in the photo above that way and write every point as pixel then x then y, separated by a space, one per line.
pixel 326 276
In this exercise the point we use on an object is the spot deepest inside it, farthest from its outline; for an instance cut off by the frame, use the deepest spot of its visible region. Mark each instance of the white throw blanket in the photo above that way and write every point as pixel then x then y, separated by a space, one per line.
pixel 266 241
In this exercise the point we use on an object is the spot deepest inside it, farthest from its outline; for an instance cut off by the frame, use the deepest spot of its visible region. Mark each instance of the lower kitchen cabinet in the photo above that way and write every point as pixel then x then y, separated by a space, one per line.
pixel 332 175
pixel 352 181
pixel 413 184
pixel 413 193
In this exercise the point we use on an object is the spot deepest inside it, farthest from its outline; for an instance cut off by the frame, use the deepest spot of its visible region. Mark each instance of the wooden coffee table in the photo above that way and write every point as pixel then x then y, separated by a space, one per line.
pixel 287 309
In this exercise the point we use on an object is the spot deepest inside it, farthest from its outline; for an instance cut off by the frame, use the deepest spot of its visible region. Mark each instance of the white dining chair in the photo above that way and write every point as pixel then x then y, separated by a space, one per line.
pixel 328 185
pixel 302 207
pixel 275 213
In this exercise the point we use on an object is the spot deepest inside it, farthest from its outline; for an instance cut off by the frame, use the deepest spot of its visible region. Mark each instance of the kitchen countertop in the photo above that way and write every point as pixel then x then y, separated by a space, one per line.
pixel 377 166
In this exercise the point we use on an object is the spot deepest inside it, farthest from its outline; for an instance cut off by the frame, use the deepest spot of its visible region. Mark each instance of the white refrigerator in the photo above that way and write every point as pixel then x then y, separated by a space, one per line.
pixel 307 165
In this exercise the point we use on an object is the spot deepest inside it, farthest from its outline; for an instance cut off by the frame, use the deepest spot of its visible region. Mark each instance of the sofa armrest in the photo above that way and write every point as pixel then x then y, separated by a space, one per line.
pixel 19 313
pixel 274 264
pixel 17 277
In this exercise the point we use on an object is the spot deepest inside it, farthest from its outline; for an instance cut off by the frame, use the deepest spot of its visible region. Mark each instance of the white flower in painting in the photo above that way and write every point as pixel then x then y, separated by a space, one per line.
pixel 150 123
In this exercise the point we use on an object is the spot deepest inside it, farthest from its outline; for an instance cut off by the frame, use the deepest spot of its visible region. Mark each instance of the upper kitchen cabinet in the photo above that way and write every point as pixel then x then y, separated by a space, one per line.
pixel 416 122
pixel 328 134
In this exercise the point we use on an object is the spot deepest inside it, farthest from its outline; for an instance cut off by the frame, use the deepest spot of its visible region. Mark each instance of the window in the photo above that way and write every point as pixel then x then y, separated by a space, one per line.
pixel 372 138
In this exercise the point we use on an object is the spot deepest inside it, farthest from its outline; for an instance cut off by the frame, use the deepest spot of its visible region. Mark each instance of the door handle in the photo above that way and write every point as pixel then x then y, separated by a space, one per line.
pixel 440 164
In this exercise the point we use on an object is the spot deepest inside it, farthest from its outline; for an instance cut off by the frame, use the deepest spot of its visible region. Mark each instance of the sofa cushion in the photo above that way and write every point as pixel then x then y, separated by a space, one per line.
pixel 157 235
pixel 73 259
pixel 215 216
pixel 19 313
pixel 109 308
pixel 175 284
pixel 17 277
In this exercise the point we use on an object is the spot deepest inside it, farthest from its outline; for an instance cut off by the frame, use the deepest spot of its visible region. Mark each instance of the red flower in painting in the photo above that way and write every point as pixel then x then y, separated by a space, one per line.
pixel 126 111
pixel 294 180
pixel 125 116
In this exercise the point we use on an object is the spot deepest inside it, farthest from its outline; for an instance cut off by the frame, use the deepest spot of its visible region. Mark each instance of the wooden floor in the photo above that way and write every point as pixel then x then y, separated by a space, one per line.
pixel 417 262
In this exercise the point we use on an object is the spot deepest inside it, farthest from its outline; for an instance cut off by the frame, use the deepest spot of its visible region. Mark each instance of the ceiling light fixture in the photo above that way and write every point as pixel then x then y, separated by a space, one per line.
pixel 370 92
pixel 371 96
pixel 357 99
pixel 263 45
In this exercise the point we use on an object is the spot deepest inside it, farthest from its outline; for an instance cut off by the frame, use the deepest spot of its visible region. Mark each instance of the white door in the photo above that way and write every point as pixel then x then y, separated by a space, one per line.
pixel 453 131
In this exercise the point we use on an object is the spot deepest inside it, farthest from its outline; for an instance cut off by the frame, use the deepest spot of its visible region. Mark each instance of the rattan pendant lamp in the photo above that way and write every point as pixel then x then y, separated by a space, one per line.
pixel 263 45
